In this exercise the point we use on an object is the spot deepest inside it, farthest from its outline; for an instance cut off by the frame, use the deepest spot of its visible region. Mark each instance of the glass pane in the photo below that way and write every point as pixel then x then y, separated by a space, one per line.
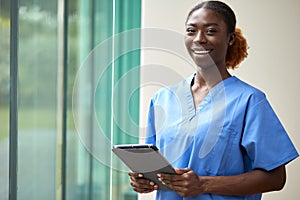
pixel 126 89
pixel 91 77
pixel 37 123
pixel 4 96
pixel 89 24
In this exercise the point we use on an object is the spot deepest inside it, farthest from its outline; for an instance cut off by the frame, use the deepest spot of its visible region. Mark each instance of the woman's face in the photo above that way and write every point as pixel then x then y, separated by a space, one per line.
pixel 207 38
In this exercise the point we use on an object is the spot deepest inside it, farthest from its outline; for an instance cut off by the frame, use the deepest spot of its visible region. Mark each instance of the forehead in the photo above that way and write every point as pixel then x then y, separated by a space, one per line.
pixel 205 16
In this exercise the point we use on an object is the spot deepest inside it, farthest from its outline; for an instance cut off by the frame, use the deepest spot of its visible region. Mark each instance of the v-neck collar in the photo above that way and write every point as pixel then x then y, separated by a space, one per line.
pixel 192 110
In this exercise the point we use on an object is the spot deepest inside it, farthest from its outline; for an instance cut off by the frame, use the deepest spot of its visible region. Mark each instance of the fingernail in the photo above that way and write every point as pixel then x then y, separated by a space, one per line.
pixel 159 175
pixel 151 183
pixel 140 175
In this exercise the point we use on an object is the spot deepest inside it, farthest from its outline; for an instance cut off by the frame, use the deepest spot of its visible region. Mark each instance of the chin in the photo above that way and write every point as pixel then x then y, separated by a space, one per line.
pixel 206 65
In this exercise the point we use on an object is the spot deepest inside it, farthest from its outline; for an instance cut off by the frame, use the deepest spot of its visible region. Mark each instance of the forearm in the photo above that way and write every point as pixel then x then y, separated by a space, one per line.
pixel 254 182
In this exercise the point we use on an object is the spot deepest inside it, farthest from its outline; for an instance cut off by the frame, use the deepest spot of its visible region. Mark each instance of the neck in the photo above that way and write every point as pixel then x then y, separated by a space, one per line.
pixel 208 78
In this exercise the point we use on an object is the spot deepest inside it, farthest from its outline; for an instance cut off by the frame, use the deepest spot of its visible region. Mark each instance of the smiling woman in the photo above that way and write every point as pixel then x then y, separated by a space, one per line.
pixel 220 133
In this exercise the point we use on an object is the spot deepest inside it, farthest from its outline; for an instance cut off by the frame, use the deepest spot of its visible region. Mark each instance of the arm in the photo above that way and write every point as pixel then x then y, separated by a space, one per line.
pixel 257 181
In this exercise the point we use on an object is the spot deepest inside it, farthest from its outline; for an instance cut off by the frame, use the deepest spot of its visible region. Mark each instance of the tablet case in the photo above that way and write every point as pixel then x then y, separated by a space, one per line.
pixel 145 159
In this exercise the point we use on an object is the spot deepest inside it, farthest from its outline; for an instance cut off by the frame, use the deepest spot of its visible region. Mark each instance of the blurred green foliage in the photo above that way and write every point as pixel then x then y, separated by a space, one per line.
pixel 4 68
pixel 4 59
pixel 37 53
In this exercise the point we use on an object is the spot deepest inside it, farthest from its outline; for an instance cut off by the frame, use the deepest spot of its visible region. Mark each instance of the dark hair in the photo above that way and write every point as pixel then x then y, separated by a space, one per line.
pixel 221 8
pixel 237 52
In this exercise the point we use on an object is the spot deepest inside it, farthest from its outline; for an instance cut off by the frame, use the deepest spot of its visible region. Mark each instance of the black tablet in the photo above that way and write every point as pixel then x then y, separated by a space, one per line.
pixel 145 159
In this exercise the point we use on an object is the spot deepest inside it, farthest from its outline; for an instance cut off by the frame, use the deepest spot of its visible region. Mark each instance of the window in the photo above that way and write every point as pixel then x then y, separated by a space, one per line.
pixel 78 94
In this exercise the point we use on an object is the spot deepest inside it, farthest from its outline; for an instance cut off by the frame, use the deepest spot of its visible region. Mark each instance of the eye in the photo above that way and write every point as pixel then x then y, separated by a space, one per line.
pixel 190 30
pixel 211 31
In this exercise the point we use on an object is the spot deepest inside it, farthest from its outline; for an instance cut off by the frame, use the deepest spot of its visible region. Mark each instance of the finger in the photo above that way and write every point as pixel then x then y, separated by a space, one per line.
pixel 134 178
pixel 135 175
pixel 143 185
pixel 169 182
pixel 140 189
pixel 176 180
pixel 166 181
pixel 181 171
pixel 143 181
pixel 169 177
pixel 143 191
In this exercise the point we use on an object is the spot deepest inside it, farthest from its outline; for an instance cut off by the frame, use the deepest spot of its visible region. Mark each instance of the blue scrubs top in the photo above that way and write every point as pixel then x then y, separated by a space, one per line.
pixel 234 130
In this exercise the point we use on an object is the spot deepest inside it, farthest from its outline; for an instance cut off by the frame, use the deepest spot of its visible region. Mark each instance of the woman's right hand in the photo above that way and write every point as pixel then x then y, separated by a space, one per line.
pixel 140 184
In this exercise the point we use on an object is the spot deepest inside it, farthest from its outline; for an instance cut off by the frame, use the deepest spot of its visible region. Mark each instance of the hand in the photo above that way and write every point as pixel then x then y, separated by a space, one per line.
pixel 140 184
pixel 186 182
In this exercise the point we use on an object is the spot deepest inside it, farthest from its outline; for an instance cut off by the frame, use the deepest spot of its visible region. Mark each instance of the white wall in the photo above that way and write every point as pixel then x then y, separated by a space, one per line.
pixel 272 29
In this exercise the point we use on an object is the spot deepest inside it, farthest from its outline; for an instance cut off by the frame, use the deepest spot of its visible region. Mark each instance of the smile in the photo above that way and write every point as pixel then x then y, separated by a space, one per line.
pixel 201 52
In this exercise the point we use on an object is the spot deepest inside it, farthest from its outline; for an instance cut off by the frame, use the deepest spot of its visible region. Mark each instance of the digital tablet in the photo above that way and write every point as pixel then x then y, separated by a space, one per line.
pixel 145 159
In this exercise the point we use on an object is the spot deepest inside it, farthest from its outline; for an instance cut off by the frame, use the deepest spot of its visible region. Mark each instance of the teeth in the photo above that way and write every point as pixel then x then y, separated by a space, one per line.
pixel 201 52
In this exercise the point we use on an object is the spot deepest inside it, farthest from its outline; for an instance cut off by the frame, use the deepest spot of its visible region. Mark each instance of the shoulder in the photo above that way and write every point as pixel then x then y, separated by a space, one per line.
pixel 239 88
pixel 173 91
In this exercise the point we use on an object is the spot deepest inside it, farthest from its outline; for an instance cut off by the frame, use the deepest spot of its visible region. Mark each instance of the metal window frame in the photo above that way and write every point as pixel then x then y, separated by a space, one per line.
pixel 62 15
pixel 13 105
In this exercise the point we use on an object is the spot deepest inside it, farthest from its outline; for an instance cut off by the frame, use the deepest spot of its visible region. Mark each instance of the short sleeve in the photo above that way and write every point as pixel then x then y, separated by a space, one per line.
pixel 266 142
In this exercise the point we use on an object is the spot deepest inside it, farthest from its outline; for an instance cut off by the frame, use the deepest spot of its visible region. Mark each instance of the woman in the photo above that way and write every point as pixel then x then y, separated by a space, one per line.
pixel 220 133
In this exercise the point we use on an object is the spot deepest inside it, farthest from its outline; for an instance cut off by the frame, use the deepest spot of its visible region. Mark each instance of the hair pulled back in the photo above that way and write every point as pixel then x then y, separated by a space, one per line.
pixel 236 52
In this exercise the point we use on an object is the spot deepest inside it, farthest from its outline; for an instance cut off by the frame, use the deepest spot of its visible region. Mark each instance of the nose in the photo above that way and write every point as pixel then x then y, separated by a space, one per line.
pixel 200 37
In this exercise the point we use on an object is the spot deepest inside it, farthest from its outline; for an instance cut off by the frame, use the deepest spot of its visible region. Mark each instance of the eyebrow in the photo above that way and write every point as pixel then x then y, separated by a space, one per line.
pixel 205 25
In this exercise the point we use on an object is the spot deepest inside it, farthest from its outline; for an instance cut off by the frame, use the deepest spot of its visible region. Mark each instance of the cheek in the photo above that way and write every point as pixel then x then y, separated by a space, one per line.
pixel 188 43
pixel 221 47
pixel 224 49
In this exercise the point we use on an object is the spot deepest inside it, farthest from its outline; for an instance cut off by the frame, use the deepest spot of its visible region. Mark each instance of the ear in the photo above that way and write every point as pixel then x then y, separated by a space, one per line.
pixel 231 39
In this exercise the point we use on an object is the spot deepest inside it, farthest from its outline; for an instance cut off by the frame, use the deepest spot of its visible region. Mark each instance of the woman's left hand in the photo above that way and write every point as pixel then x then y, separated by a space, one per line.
pixel 186 182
